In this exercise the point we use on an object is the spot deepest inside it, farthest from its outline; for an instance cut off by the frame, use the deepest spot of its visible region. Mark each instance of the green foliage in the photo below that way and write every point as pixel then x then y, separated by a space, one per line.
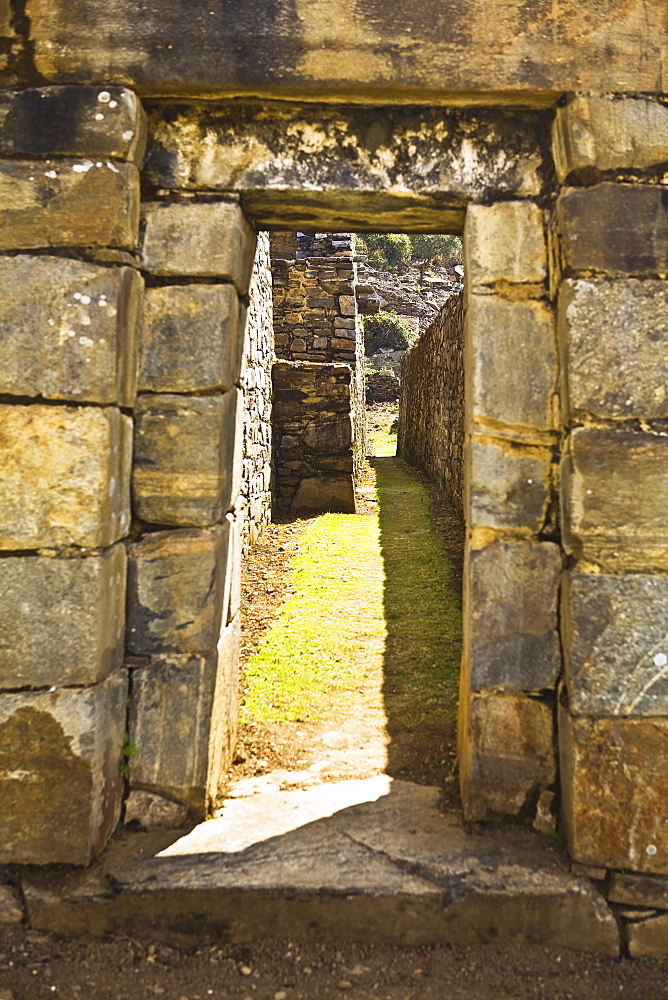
pixel 388 250
pixel 129 752
pixel 428 249
pixel 385 329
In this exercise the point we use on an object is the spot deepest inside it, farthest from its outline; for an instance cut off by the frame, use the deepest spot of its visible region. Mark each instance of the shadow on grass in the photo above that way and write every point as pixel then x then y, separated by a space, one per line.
pixel 422 603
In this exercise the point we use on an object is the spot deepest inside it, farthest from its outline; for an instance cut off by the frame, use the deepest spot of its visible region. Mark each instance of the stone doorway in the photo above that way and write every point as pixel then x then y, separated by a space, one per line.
pixel 539 260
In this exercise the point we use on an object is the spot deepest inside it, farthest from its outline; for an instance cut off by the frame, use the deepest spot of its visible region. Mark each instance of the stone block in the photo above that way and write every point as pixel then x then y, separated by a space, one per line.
pixel 149 811
pixel 206 240
pixel 512 361
pixel 192 339
pixel 68 203
pixel 68 330
pixel 615 639
pixel 326 492
pixel 615 498
pixel 66 475
pixel 176 583
pixel 11 908
pixel 614 344
pixel 329 434
pixel 232 591
pixel 505 242
pixel 60 777
pixel 506 754
pixel 224 717
pixel 170 724
pixel 592 135
pixel 638 890
pixel 61 620
pixel 95 122
pixel 185 446
pixel 508 485
pixel 614 785
pixel 648 938
pixel 512 641
pixel 614 228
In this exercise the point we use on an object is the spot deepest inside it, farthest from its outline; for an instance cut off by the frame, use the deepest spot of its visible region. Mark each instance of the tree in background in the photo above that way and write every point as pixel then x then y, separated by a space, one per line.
pixel 386 329
pixel 428 249
pixel 389 251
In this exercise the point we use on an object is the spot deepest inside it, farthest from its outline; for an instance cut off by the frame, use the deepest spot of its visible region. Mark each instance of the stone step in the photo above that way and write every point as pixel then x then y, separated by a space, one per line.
pixel 372 860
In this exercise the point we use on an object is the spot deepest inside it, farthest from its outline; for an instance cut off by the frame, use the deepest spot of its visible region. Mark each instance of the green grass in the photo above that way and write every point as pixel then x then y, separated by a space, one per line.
pixel 374 620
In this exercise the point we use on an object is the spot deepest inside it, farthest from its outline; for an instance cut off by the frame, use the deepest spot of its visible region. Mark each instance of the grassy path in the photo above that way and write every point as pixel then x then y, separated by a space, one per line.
pixel 373 624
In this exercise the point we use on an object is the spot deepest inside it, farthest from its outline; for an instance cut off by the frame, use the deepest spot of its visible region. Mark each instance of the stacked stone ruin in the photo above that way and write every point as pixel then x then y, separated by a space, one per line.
pixel 120 446
pixel 318 413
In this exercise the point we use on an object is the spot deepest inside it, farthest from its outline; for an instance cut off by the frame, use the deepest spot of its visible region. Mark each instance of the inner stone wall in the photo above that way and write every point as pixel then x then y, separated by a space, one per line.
pixel 316 320
pixel 431 402
pixel 254 504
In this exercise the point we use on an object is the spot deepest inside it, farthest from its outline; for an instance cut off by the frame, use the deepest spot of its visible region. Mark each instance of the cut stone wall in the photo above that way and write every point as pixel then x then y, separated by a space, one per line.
pixel 313 435
pixel 254 505
pixel 431 404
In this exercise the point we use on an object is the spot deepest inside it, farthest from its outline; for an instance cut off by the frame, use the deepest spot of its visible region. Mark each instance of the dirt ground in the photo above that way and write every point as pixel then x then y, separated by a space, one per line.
pixel 34 966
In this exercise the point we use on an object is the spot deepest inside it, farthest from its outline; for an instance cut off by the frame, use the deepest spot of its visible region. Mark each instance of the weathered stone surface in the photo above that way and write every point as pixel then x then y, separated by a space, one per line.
pixel 615 498
pixel 232 592
pixel 210 240
pixel 648 938
pixel 66 476
pixel 325 492
pixel 506 753
pixel 597 134
pixel 614 785
pixel 184 472
pixel 511 639
pixel 225 714
pixel 176 583
pixel 615 639
pixel 192 339
pixel 508 486
pixel 433 51
pixel 614 228
pixel 11 910
pixel 96 122
pixel 638 890
pixel 614 343
pixel 68 203
pixel 61 798
pixel 346 166
pixel 512 361
pixel 170 723
pixel 68 330
pixel 61 620
pixel 505 242
pixel 149 811
pixel 371 860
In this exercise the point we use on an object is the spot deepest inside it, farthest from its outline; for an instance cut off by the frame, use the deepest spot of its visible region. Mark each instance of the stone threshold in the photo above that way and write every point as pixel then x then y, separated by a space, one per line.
pixel 372 860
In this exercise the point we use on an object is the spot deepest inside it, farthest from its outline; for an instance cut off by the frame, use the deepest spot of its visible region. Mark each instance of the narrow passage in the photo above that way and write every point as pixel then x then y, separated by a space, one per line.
pixel 358 673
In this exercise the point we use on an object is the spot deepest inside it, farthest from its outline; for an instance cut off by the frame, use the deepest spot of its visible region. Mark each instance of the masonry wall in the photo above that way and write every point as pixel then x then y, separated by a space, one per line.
pixel 254 505
pixel 316 320
pixel 431 402
pixel 313 433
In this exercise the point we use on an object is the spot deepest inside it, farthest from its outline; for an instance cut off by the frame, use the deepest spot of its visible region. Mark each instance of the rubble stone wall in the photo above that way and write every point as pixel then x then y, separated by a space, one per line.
pixel 313 433
pixel 316 320
pixel 431 404
pixel 254 505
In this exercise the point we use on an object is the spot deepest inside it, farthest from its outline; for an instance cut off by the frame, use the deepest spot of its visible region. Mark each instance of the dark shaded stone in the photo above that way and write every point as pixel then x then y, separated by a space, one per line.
pixel 615 228
pixel 512 640
pixel 176 582
pixel 615 637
